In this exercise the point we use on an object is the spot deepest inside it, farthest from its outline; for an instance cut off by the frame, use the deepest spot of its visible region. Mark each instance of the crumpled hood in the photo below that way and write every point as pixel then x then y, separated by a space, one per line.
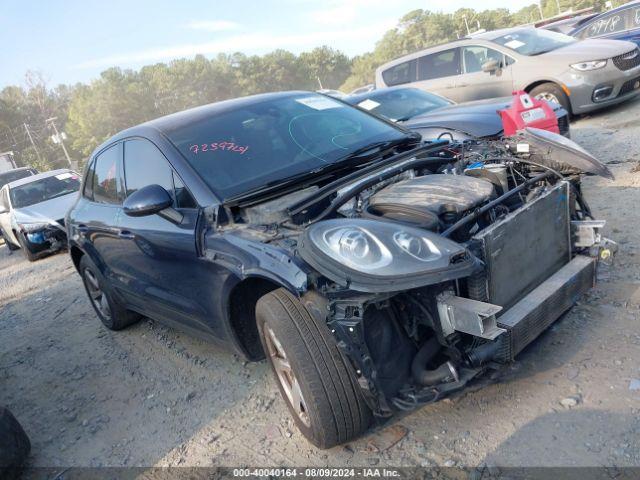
pixel 479 118
pixel 50 211
pixel 591 49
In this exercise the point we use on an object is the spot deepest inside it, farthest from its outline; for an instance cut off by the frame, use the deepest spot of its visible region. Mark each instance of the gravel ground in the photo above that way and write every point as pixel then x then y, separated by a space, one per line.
pixel 154 396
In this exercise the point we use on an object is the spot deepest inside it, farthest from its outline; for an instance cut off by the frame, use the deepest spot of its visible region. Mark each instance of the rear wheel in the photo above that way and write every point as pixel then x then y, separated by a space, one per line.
pixel 551 92
pixel 110 311
pixel 316 381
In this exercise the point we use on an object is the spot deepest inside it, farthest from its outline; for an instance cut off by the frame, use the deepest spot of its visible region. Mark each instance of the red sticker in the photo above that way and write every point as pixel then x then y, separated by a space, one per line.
pixel 197 148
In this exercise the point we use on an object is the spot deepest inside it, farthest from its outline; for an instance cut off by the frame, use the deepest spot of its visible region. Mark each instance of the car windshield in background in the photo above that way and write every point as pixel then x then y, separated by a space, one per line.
pixel 533 41
pixel 402 104
pixel 264 143
pixel 44 189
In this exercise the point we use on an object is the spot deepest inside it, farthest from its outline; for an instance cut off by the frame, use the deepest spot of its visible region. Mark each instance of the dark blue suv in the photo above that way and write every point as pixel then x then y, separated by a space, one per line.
pixel 622 23
pixel 359 260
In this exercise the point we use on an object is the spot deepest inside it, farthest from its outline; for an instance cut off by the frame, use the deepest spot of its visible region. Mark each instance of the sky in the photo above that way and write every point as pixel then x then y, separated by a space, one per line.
pixel 73 41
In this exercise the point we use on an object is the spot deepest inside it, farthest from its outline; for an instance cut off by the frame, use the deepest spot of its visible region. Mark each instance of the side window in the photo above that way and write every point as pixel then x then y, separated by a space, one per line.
pixel 633 17
pixel 105 176
pixel 476 56
pixel 88 183
pixel 145 165
pixel 399 74
pixel 605 25
pixel 183 197
pixel 508 60
pixel 438 65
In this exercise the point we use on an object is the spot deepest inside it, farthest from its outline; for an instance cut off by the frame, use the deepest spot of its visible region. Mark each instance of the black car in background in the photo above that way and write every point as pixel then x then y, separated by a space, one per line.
pixel 16 174
pixel 359 260
pixel 432 115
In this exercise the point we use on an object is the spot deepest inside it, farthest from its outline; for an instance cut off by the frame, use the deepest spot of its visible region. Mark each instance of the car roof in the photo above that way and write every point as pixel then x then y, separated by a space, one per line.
pixel 39 176
pixel 185 117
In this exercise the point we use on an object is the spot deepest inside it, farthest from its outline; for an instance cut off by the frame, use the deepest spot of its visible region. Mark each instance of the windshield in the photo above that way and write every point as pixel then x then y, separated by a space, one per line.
pixel 264 143
pixel 44 189
pixel 402 104
pixel 533 41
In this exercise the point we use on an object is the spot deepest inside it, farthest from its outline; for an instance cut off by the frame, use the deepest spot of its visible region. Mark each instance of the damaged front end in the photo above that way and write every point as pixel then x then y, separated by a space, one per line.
pixel 434 269
pixel 42 237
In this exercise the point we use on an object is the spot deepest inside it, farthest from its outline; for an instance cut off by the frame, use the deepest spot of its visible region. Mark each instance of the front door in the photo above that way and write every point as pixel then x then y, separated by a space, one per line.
pixel 157 259
pixel 476 84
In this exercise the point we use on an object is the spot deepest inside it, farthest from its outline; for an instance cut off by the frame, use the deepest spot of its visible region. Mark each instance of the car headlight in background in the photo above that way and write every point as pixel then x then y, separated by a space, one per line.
pixel 375 256
pixel 588 66
pixel 33 227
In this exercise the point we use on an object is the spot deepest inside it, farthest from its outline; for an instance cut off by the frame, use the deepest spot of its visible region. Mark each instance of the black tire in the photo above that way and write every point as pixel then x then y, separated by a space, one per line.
pixel 548 90
pixel 14 445
pixel 111 313
pixel 24 246
pixel 9 245
pixel 336 411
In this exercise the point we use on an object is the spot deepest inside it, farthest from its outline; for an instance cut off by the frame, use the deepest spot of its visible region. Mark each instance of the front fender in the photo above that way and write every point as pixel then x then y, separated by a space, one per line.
pixel 246 257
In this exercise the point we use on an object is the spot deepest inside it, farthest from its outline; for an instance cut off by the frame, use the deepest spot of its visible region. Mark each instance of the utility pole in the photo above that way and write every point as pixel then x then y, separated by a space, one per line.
pixel 540 8
pixel 32 142
pixel 466 24
pixel 51 121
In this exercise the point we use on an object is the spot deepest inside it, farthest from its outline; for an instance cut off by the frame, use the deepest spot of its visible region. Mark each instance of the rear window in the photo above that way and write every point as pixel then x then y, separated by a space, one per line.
pixel 13 175
pixel 612 22
pixel 44 189
pixel 399 74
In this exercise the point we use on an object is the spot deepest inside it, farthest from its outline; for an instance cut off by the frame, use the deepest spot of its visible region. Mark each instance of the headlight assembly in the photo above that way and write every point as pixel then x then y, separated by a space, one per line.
pixel 588 66
pixel 378 256
pixel 33 227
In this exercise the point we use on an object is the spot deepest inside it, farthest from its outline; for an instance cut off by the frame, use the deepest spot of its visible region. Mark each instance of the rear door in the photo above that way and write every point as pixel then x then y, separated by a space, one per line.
pixel 475 84
pixel 97 221
pixel 157 258
pixel 439 72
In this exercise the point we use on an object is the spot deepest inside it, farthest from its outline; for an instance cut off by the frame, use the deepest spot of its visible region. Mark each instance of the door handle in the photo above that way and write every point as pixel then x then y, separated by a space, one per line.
pixel 126 234
pixel 462 85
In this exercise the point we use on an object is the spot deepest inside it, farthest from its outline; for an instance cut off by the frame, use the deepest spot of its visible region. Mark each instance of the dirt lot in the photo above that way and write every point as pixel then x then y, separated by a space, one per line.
pixel 154 396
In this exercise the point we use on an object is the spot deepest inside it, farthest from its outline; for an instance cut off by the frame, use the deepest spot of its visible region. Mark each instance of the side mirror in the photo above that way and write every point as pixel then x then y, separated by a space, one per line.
pixel 490 66
pixel 148 200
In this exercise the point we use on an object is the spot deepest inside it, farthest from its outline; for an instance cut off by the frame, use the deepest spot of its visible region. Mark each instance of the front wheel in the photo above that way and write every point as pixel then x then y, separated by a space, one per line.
pixel 316 381
pixel 551 93
pixel 7 242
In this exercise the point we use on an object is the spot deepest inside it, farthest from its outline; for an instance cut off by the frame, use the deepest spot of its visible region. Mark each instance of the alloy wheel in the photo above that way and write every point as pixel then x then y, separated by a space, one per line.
pixel 286 377
pixel 97 296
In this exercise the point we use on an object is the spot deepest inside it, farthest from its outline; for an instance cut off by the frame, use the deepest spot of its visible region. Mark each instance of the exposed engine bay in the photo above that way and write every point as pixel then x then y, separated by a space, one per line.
pixel 440 264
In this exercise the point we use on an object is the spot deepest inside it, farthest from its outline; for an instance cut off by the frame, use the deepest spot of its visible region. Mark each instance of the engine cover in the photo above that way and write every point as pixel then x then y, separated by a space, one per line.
pixel 425 196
